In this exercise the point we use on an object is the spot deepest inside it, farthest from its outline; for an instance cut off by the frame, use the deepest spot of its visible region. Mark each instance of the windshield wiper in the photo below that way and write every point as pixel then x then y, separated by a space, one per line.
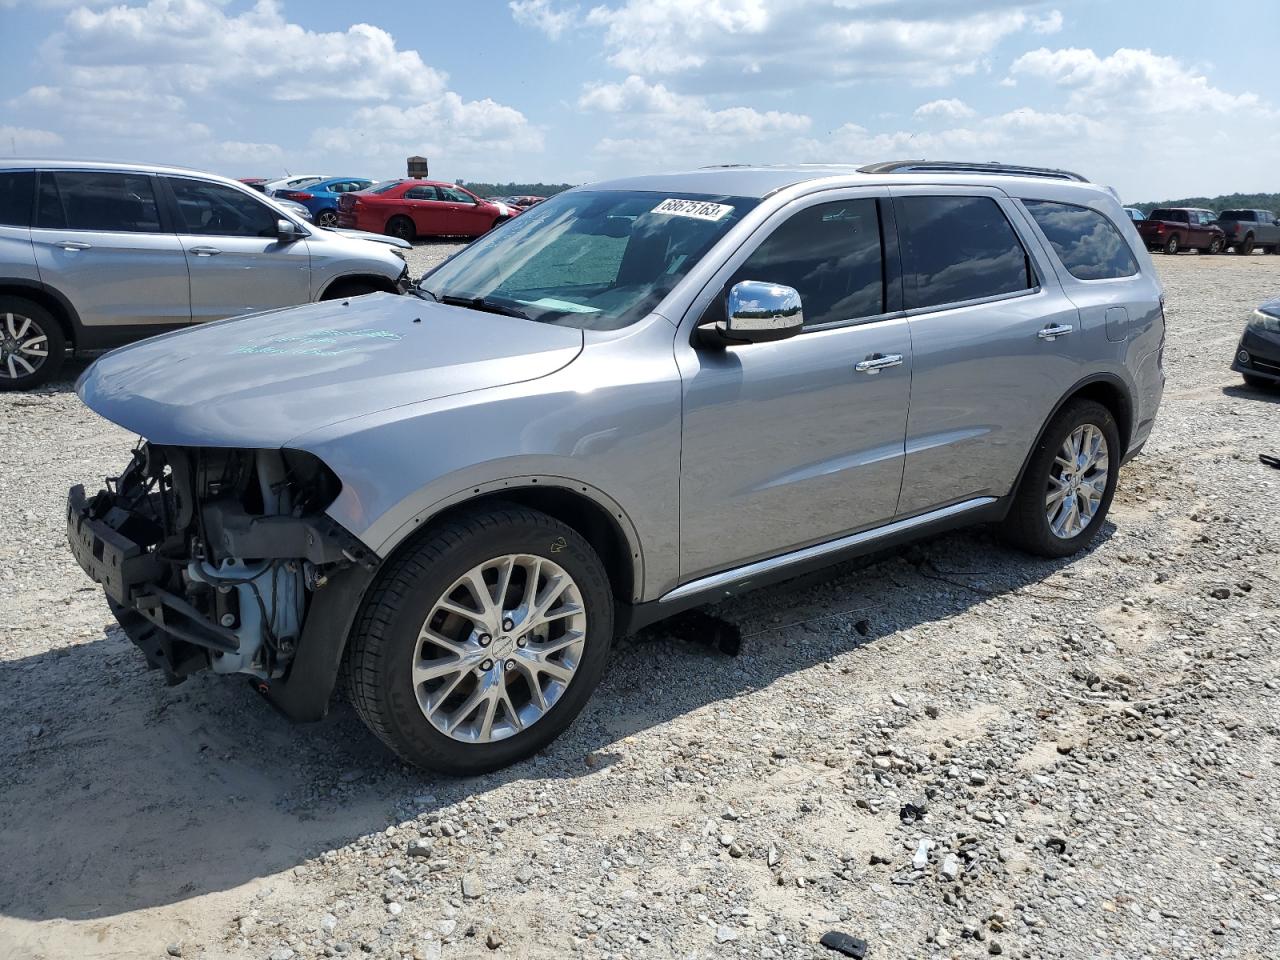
pixel 483 305
pixel 422 293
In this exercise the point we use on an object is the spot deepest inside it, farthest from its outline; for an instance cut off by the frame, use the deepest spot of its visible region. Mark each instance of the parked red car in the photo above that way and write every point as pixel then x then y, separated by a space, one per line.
pixel 421 208
pixel 1180 228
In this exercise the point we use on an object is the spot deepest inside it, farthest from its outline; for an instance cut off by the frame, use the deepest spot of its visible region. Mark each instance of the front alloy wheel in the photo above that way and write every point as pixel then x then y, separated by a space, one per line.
pixel 479 643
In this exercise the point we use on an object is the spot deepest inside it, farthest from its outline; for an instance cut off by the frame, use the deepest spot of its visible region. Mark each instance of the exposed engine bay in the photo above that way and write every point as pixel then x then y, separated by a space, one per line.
pixel 211 558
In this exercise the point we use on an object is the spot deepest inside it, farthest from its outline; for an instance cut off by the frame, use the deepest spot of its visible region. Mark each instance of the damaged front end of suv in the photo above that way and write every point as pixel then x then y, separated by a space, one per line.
pixel 224 559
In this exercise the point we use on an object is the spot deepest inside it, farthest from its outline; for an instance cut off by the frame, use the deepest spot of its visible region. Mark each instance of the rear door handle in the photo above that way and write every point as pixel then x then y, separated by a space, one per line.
pixel 877 362
pixel 205 251
pixel 1053 332
pixel 73 245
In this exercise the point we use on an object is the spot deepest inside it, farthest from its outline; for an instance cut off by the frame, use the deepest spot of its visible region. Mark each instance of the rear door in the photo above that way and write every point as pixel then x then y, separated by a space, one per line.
pixel 430 216
pixel 101 239
pixel 993 341
pixel 237 261
pixel 796 442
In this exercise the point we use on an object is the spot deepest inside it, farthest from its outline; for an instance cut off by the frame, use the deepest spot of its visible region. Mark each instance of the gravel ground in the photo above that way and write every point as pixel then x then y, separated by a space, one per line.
pixel 954 751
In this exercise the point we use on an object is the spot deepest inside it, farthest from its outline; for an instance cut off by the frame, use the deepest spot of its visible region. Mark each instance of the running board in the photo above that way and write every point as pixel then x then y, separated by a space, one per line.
pixel 740 578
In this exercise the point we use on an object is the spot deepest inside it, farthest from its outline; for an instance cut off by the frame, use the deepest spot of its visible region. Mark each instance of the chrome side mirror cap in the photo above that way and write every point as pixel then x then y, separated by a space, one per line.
pixel 287 230
pixel 758 312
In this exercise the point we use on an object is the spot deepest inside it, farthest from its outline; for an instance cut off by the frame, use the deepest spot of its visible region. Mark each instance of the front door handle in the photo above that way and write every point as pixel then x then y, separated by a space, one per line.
pixel 205 251
pixel 1054 331
pixel 877 362
pixel 73 245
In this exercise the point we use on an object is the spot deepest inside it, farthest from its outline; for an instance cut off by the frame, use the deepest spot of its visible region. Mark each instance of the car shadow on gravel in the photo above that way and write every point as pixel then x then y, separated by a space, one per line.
pixel 1242 391
pixel 118 793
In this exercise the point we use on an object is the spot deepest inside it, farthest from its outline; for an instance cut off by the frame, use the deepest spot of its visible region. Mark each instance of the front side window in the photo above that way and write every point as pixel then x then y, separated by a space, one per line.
pixel 454 195
pixel 214 209
pixel 1086 242
pixel 599 260
pixel 16 192
pixel 98 201
pixel 959 248
pixel 831 254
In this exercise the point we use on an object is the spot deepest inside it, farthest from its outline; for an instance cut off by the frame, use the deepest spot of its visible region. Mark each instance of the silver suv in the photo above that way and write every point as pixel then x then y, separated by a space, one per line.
pixel 93 255
pixel 637 397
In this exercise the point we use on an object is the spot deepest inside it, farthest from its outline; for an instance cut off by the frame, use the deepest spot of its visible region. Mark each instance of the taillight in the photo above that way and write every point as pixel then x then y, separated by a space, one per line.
pixel 1159 228
pixel 296 195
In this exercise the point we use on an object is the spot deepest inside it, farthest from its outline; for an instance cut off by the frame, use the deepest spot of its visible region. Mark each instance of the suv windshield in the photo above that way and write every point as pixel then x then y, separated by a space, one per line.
pixel 599 260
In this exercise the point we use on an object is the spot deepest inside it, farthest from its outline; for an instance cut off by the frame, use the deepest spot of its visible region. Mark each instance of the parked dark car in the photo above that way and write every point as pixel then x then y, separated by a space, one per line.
pixel 1258 355
pixel 1247 230
pixel 421 208
pixel 1171 229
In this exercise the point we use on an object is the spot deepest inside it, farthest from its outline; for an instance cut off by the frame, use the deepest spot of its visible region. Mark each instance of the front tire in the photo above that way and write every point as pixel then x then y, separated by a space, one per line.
pixel 1215 246
pixel 482 642
pixel 32 346
pixel 1070 480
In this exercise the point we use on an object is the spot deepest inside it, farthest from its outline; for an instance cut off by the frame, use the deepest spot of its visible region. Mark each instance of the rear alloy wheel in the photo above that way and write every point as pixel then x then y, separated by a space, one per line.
pixel 1069 482
pixel 479 645
pixel 403 228
pixel 32 346
pixel 327 218
pixel 1246 247
pixel 1215 245
pixel 1171 245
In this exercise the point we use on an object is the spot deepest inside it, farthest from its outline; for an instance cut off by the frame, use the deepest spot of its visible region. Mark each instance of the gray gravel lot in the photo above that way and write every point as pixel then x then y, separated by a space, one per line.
pixel 954 751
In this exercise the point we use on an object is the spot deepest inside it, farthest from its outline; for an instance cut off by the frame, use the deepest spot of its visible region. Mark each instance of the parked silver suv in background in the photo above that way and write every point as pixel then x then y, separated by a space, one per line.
pixel 93 255
pixel 637 397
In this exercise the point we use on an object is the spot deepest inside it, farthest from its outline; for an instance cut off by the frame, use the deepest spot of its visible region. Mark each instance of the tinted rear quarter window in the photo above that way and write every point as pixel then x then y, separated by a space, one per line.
pixel 831 254
pixel 1086 242
pixel 959 248
pixel 1246 215
pixel 17 190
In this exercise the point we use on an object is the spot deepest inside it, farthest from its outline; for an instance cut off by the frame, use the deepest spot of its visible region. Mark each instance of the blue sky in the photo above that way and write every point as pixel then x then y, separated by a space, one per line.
pixel 1158 99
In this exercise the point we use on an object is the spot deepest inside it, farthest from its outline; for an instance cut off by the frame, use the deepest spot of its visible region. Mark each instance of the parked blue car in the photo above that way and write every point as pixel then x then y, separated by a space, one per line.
pixel 321 197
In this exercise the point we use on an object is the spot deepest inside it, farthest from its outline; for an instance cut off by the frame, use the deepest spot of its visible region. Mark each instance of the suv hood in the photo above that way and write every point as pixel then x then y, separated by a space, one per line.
pixel 261 380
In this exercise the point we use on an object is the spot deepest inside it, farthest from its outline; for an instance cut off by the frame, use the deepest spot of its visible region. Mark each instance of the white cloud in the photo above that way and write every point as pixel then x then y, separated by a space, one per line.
pixel 784 43
pixel 679 127
pixel 20 139
pixel 1138 81
pixel 952 109
pixel 197 82
pixel 541 15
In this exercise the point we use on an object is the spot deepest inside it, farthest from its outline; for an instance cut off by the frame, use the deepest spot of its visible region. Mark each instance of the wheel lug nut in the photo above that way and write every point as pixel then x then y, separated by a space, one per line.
pixel 522 641
pixel 486 665
pixel 484 639
pixel 511 664
pixel 508 624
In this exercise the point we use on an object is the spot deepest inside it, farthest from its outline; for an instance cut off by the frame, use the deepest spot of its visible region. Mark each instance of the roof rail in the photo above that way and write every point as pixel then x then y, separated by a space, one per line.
pixel 948 166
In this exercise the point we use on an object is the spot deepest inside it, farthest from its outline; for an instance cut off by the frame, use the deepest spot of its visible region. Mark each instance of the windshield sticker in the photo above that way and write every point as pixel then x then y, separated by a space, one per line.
pixel 563 306
pixel 312 343
pixel 696 209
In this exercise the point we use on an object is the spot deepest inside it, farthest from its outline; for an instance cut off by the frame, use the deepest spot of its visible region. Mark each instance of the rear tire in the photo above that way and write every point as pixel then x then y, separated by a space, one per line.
pixel 1171 245
pixel 1028 524
pixel 415 625
pixel 27 329
pixel 402 227
pixel 327 218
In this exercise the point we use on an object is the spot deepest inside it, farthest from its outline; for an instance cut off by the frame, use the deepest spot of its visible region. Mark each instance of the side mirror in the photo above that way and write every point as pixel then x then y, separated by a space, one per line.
pixel 287 231
pixel 758 312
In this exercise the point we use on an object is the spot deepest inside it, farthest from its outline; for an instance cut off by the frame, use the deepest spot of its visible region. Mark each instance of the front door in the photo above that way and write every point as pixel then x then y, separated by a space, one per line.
pixel 99 240
pixel 237 261
pixel 464 216
pixel 788 444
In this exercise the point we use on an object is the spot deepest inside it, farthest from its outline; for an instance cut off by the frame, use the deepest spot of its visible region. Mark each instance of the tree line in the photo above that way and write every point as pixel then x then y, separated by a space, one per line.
pixel 514 189
pixel 1230 201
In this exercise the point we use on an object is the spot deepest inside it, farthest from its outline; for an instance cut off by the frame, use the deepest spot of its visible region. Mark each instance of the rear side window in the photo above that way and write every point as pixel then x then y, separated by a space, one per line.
pixel 1174 216
pixel 421 193
pixel 1248 216
pixel 16 192
pixel 831 254
pixel 959 248
pixel 1086 242
pixel 99 201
